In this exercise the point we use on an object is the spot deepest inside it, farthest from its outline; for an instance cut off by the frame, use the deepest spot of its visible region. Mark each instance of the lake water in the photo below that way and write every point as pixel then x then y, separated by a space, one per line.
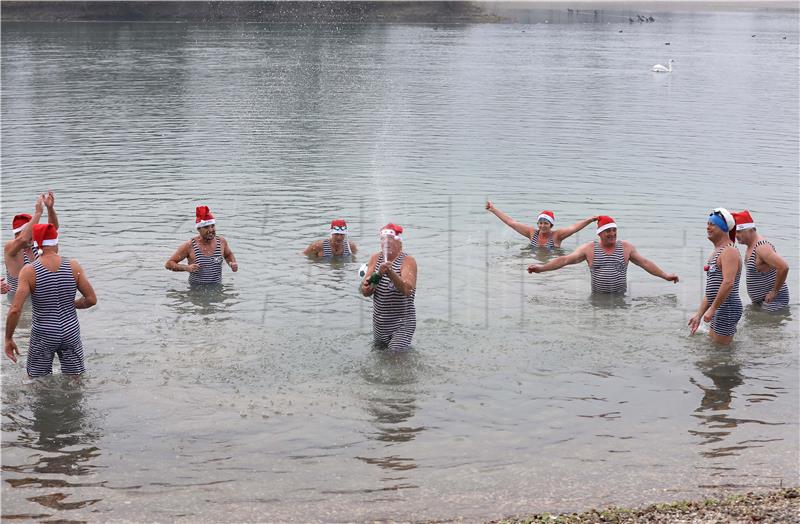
pixel 264 401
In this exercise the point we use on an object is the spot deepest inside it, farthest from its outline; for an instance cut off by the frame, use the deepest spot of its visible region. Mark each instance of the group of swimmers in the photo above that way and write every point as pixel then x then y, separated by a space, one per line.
pixel 390 277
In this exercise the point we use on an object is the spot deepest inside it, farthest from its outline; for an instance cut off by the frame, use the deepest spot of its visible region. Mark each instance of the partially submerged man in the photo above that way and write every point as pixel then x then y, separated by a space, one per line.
pixel 394 318
pixel 51 281
pixel 766 269
pixel 204 252
pixel 607 259
pixel 338 245
pixel 721 306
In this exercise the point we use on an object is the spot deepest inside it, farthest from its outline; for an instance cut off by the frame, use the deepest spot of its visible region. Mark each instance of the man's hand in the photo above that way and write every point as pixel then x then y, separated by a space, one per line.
pixel 709 315
pixel 385 268
pixel 11 349
pixel 489 205
pixel 49 200
pixel 193 268
pixel 39 206
pixel 234 266
pixel 534 268
pixel 770 296
pixel 671 277
pixel 4 287
pixel 694 323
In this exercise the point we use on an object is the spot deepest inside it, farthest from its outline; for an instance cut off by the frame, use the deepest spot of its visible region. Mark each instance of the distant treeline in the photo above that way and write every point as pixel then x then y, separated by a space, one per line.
pixel 246 11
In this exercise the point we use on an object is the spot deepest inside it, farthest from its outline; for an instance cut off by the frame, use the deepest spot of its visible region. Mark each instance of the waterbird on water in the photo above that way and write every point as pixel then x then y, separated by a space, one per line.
pixel 658 68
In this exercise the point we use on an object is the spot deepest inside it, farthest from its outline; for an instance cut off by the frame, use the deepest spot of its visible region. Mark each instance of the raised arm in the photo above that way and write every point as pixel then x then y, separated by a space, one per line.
pixel 88 298
pixel 773 259
pixel 18 244
pixel 522 229
pixel 566 232
pixel 729 260
pixel 50 203
pixel 650 266
pixel 576 257
pixel 173 264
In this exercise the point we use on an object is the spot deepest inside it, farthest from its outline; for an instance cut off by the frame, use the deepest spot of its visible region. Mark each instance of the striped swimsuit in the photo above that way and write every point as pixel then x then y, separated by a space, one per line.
pixel 327 250
pixel 210 271
pixel 55 328
pixel 729 313
pixel 609 272
pixel 13 282
pixel 394 318
pixel 535 241
pixel 759 284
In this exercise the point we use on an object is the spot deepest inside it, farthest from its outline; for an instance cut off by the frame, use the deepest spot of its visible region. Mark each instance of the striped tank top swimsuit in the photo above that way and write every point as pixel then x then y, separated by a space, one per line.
pixel 210 271
pixel 13 282
pixel 759 284
pixel 609 272
pixel 54 328
pixel 535 241
pixel 394 318
pixel 729 313
pixel 327 250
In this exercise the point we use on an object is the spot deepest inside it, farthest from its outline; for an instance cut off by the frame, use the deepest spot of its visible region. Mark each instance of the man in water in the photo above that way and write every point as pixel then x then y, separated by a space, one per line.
pixel 51 281
pixel 338 245
pixel 17 251
pixel 721 307
pixel 608 260
pixel 766 269
pixel 205 252
pixel 545 236
pixel 394 318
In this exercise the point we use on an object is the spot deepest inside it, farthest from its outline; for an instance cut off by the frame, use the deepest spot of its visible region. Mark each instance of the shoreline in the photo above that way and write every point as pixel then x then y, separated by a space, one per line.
pixel 770 507
pixel 375 11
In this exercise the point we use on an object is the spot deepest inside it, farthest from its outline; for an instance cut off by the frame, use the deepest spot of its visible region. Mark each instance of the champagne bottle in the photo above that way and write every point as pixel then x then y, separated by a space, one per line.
pixel 375 278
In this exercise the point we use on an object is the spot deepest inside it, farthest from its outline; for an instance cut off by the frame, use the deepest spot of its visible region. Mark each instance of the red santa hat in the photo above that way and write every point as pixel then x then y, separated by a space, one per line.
pixel 604 222
pixel 744 220
pixel 338 227
pixel 45 235
pixel 392 230
pixel 204 217
pixel 547 215
pixel 19 222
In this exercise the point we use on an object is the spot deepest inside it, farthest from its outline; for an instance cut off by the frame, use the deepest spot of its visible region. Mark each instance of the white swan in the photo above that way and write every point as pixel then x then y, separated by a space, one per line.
pixel 658 68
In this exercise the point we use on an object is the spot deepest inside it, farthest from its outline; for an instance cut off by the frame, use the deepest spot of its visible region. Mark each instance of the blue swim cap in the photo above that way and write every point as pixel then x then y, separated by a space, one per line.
pixel 718 221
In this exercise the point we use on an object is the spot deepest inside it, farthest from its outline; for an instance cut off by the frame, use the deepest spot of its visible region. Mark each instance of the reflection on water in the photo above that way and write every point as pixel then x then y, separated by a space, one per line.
pixel 51 417
pixel 391 404
pixel 204 300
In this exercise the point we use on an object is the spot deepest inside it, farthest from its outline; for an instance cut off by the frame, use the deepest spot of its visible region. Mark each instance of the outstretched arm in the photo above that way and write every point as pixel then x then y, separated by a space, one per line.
pixel 566 232
pixel 577 256
pixel 773 259
pixel 522 229
pixel 651 267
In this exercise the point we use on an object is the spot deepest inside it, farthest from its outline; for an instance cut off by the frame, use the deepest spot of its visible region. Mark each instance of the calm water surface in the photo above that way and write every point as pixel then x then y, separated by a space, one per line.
pixel 263 400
